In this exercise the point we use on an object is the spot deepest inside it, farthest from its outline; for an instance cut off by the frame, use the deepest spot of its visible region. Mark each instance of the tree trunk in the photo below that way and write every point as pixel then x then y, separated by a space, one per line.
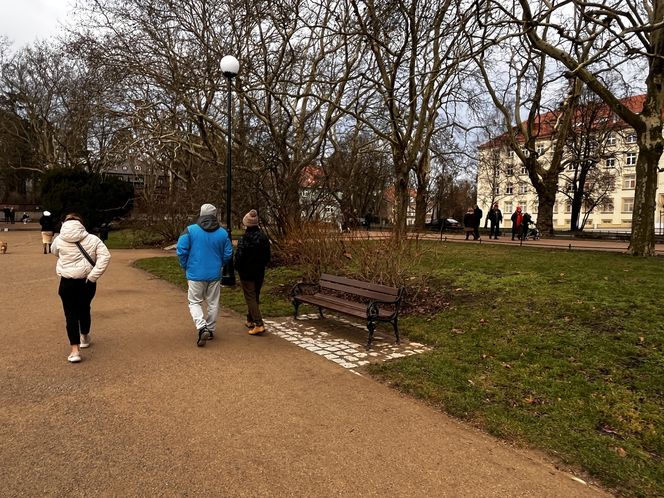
pixel 643 216
pixel 401 204
pixel 421 205
pixel 547 198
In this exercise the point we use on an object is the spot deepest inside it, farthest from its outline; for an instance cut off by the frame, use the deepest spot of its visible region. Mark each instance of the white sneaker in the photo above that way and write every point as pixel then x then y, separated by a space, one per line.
pixel 85 341
pixel 74 357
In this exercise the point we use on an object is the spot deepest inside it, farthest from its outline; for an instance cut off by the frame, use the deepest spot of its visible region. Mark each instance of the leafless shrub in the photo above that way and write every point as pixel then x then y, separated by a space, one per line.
pixel 321 248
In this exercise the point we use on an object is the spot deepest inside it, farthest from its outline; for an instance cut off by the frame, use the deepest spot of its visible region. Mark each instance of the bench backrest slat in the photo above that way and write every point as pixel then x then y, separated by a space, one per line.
pixel 359 288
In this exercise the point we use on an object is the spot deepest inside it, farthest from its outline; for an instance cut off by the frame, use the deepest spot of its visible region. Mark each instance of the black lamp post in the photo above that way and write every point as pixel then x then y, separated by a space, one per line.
pixel 229 67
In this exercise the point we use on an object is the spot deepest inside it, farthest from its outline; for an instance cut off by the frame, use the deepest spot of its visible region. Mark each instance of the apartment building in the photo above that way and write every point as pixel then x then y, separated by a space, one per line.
pixel 603 142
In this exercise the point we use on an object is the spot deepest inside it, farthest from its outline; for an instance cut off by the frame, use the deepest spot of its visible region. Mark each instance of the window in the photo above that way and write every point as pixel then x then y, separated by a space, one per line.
pixel 611 139
pixel 540 149
pixel 523 188
pixel 524 206
pixel 631 158
pixel 497 190
pixel 631 138
pixel 610 162
pixel 592 146
pixel 509 189
pixel 508 207
pixel 555 208
pixel 607 207
pixel 629 182
pixel 124 168
pixel 510 154
pixel 568 207
pixel 137 168
pixel 510 170
pixel 628 205
pixel 523 170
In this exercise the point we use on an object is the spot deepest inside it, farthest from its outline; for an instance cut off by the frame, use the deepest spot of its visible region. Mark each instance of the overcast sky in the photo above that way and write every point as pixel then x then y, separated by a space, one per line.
pixel 25 21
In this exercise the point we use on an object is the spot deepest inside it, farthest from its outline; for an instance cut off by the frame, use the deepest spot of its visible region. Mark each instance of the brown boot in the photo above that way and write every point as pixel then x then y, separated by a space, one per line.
pixel 258 329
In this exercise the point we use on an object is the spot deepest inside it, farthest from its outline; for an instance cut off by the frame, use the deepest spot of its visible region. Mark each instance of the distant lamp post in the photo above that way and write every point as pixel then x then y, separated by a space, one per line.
pixel 229 67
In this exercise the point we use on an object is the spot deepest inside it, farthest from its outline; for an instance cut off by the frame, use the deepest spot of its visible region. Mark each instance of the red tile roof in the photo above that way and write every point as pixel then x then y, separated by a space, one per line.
pixel 546 122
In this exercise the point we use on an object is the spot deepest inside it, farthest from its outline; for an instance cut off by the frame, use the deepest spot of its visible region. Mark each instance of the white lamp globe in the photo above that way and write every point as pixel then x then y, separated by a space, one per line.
pixel 229 66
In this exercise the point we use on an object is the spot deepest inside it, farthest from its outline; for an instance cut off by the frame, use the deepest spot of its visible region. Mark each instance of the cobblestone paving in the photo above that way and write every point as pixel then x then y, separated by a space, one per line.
pixel 309 332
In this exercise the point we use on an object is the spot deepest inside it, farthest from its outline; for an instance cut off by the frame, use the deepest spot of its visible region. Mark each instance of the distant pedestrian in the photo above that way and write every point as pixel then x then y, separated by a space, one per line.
pixel 251 258
pixel 517 219
pixel 525 225
pixel 82 259
pixel 25 218
pixel 12 215
pixel 495 218
pixel 478 220
pixel 203 249
pixel 47 229
pixel 6 212
pixel 469 223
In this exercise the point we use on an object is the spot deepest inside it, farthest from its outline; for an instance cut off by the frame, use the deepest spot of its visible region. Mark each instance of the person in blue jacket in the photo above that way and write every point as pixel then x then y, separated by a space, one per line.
pixel 203 249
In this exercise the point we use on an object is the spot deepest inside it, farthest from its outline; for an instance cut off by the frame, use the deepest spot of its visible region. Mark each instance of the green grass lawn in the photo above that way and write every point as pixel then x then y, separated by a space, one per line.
pixel 132 238
pixel 557 350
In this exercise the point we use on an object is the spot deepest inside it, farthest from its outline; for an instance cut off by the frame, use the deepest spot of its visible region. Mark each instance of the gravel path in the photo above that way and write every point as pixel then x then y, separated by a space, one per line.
pixel 147 413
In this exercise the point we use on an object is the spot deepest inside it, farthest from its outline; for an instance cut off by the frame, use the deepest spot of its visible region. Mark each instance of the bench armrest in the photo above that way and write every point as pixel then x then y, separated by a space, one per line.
pixel 304 288
pixel 373 306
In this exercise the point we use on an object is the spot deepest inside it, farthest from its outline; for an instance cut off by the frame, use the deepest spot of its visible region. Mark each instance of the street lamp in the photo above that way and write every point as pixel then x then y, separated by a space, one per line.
pixel 229 68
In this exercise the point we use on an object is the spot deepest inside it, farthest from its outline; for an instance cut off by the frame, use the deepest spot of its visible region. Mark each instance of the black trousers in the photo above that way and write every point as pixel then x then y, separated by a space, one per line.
pixel 495 230
pixel 252 296
pixel 76 295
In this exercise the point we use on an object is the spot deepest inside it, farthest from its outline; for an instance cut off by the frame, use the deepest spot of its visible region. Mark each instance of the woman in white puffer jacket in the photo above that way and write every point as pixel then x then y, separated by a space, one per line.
pixel 78 278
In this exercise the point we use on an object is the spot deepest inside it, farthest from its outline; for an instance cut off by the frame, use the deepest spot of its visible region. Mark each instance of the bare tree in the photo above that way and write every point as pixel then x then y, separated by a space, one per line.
pixel 170 91
pixel 621 37
pixel 525 86
pixel 414 74
pixel 589 164
pixel 358 175
pixel 300 61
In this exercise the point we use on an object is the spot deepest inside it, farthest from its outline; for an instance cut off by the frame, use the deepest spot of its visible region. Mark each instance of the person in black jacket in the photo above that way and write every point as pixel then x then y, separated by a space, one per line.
pixel 477 212
pixel 251 257
pixel 495 217
pixel 525 224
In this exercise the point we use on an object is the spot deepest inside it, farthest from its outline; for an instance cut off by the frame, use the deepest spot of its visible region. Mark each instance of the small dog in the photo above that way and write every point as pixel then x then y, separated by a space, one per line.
pixel 3 247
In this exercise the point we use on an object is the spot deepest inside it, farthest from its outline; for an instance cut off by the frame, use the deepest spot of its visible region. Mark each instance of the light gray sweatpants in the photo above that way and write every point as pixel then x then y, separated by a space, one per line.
pixel 207 291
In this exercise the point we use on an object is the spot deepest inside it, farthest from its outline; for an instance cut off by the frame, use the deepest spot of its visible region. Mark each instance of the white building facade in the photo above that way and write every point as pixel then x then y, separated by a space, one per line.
pixel 502 178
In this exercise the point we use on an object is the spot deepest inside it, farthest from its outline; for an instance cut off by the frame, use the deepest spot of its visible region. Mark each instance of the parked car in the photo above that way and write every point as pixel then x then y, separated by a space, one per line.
pixel 443 224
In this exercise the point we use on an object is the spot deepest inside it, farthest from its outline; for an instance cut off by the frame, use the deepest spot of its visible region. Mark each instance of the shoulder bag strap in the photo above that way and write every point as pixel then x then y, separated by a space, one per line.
pixel 85 253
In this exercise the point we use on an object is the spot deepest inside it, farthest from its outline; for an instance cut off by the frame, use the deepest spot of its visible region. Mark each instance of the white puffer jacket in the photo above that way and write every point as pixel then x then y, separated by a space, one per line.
pixel 71 262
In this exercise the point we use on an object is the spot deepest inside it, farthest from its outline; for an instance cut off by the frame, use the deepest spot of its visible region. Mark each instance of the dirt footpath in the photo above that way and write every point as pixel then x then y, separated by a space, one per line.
pixel 147 413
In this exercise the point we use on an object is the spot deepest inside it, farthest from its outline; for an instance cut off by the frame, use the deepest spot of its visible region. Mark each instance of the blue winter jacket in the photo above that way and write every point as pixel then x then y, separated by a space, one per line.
pixel 203 249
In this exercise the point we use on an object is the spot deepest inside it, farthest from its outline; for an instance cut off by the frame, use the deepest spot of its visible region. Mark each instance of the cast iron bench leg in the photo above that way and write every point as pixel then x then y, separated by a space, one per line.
pixel 371 326
pixel 396 330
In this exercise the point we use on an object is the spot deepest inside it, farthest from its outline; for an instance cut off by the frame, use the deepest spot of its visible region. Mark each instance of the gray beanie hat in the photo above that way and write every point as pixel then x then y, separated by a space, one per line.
pixel 208 209
pixel 250 219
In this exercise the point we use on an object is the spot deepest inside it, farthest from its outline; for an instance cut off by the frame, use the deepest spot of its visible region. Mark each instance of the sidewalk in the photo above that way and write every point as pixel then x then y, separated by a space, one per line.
pixel 147 413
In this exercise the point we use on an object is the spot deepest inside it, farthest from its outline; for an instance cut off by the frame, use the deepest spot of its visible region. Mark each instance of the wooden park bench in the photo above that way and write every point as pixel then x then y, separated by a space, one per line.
pixel 375 303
